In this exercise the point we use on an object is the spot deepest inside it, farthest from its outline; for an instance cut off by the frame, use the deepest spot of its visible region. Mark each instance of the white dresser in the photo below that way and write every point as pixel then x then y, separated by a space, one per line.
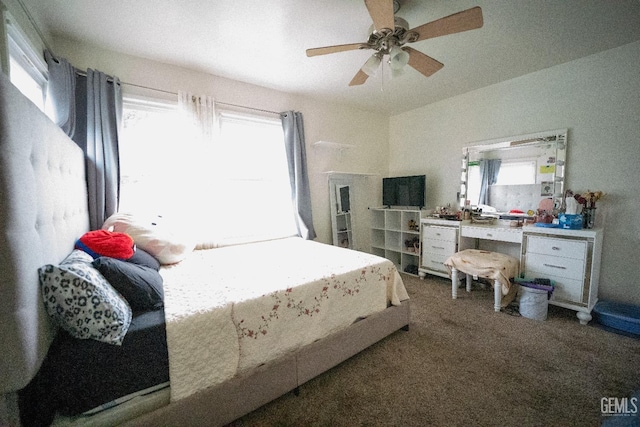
pixel 571 258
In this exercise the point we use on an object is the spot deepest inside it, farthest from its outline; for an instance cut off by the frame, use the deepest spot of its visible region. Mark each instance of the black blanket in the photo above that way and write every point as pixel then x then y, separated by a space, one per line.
pixel 79 375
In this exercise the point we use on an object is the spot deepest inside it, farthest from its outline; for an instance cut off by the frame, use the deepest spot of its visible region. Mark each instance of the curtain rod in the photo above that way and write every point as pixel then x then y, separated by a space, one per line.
pixel 82 73
pixel 216 102
pixel 35 26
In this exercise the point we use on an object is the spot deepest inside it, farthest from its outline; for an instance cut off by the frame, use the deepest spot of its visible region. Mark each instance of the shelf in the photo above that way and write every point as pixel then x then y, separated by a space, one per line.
pixel 349 174
pixel 389 230
pixel 333 145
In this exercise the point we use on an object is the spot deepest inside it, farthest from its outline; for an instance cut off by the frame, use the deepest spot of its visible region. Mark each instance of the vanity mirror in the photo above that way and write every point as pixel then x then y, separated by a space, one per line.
pixel 521 173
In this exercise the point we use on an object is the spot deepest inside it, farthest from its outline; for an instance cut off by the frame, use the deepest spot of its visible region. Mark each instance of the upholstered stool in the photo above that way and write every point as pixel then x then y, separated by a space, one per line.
pixel 489 265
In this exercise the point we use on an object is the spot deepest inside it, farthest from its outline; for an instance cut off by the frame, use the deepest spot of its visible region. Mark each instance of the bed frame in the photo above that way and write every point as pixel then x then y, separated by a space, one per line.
pixel 43 210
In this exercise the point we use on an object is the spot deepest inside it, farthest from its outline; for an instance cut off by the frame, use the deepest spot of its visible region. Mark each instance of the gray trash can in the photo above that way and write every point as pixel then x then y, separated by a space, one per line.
pixel 534 303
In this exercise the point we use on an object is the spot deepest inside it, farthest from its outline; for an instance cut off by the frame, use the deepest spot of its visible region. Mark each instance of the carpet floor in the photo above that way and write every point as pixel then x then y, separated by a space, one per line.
pixel 462 364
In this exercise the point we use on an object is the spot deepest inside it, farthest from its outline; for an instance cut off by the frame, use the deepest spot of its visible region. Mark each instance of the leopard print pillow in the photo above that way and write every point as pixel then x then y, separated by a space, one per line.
pixel 82 302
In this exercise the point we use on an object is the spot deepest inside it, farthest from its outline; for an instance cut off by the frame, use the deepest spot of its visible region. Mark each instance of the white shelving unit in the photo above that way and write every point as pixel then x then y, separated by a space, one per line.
pixel 392 237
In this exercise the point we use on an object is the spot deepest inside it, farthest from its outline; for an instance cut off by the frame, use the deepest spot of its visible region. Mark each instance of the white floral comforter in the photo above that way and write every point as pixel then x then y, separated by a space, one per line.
pixel 234 308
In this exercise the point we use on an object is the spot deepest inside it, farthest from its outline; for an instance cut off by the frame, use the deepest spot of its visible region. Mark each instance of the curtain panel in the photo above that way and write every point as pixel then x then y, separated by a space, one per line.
pixel 88 107
pixel 104 116
pixel 60 101
pixel 489 169
pixel 293 127
pixel 200 112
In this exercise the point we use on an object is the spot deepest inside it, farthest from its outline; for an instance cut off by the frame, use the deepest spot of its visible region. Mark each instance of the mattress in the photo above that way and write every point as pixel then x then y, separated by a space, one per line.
pixel 231 309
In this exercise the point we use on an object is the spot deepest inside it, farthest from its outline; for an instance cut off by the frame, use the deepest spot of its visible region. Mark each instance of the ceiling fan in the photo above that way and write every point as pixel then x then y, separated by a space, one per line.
pixel 390 34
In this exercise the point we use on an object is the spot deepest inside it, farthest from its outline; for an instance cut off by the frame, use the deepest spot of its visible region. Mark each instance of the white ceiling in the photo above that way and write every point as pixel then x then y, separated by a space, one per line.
pixel 263 42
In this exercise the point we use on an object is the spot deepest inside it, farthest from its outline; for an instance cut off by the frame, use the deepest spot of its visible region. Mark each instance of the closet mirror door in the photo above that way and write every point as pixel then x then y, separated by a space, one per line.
pixel 342 215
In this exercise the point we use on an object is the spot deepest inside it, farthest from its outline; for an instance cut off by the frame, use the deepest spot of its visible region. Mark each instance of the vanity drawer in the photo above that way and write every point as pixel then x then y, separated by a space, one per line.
pixel 493 233
pixel 435 262
pixel 439 233
pixel 537 265
pixel 565 248
pixel 567 289
pixel 438 247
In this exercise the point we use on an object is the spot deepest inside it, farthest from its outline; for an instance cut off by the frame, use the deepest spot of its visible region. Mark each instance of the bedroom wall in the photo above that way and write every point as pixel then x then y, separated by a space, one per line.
pixel 366 131
pixel 595 97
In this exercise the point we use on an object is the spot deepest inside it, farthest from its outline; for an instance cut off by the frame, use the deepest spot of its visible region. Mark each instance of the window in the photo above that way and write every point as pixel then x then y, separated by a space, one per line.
pixel 150 149
pixel 253 192
pixel 511 173
pixel 28 71
pixel 517 173
pixel 235 188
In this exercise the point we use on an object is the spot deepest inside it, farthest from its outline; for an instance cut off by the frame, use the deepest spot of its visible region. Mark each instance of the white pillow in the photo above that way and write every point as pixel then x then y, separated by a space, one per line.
pixel 166 241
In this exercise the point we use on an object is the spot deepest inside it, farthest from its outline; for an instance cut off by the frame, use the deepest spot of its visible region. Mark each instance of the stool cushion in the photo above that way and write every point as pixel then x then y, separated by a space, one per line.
pixel 490 265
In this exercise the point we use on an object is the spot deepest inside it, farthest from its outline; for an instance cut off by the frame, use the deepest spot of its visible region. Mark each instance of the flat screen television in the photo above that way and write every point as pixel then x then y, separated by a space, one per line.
pixel 404 191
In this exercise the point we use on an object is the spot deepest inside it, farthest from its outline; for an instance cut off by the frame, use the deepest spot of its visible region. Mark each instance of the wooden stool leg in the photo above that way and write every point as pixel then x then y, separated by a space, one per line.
pixel 469 281
pixel 454 283
pixel 497 295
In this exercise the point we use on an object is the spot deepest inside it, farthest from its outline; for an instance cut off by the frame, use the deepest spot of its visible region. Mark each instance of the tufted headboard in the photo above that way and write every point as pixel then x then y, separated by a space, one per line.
pixel 43 210
pixel 507 197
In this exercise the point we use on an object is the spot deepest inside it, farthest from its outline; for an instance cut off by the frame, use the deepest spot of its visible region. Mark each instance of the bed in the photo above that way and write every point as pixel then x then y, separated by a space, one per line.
pixel 240 325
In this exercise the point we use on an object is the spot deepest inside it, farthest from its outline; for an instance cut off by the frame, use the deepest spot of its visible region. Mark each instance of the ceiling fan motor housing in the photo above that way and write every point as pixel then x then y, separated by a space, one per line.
pixel 385 39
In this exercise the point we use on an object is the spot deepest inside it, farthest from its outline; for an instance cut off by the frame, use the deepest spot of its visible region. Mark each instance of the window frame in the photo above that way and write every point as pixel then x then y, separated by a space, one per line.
pixel 21 51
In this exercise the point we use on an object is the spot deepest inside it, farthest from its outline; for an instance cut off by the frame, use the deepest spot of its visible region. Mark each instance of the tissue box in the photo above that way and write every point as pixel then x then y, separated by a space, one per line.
pixel 569 221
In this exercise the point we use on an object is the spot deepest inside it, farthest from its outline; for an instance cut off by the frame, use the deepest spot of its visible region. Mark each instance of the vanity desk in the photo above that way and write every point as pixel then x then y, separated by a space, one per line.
pixel 571 258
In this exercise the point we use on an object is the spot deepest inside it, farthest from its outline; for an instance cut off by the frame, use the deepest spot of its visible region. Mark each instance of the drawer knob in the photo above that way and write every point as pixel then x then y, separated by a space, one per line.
pixel 555 248
pixel 437 247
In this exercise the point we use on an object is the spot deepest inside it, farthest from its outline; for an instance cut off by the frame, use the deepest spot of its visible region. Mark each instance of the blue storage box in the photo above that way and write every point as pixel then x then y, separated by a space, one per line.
pixel 618 316
pixel 570 221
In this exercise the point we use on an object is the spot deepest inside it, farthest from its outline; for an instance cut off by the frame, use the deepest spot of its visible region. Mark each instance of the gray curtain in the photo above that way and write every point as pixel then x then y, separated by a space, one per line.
pixel 60 102
pixel 298 175
pixel 489 169
pixel 89 109
pixel 104 115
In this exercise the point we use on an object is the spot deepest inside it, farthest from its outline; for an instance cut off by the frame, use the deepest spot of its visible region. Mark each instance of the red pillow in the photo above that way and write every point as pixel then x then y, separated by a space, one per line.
pixel 99 243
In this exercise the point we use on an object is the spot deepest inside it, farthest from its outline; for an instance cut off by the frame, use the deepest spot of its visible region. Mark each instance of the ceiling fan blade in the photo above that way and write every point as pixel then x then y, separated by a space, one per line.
pixel 337 48
pixel 359 78
pixel 469 19
pixel 381 12
pixel 421 62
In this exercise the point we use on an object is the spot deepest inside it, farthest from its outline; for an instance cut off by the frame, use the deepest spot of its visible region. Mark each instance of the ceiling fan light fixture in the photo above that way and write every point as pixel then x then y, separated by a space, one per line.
pixel 397 73
pixel 398 58
pixel 373 63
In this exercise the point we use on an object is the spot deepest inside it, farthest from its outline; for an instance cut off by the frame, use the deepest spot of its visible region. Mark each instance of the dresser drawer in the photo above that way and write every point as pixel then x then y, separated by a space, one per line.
pixel 493 233
pixel 537 265
pixel 435 262
pixel 567 289
pixel 565 248
pixel 439 233
pixel 438 247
